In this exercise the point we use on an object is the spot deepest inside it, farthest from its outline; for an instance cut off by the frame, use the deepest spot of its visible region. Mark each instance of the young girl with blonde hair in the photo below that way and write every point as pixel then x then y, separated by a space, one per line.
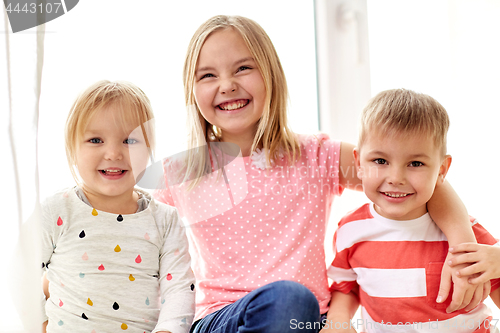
pixel 116 259
pixel 260 264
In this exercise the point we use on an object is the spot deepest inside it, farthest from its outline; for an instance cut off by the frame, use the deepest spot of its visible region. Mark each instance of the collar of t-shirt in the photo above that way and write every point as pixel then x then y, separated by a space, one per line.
pixel 142 203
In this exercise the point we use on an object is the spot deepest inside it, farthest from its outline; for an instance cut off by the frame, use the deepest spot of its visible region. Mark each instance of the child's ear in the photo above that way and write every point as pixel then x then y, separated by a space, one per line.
pixel 443 169
pixel 357 162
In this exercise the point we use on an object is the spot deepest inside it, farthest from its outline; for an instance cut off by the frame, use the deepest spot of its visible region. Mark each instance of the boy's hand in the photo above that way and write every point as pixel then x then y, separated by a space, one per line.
pixel 483 260
pixel 465 295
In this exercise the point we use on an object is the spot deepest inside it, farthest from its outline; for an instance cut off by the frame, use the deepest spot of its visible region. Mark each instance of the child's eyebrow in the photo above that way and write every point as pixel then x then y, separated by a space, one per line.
pixel 420 155
pixel 244 60
pixel 376 152
pixel 203 69
pixel 208 68
pixel 413 156
pixel 91 132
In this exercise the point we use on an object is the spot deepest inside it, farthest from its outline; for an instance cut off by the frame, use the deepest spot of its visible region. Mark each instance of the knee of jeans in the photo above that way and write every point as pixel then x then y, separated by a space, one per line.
pixel 293 293
pixel 276 306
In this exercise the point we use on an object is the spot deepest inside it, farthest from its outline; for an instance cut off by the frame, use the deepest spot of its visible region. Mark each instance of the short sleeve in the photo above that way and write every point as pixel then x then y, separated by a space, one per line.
pixel 484 237
pixel 323 154
pixel 164 194
pixel 340 271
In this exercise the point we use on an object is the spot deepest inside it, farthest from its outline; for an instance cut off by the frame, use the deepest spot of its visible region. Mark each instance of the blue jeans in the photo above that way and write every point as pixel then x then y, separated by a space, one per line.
pixel 278 307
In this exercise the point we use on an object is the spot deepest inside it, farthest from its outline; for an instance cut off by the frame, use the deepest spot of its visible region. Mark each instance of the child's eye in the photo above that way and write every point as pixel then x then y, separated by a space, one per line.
pixel 95 140
pixel 416 164
pixel 380 161
pixel 242 68
pixel 206 75
pixel 130 141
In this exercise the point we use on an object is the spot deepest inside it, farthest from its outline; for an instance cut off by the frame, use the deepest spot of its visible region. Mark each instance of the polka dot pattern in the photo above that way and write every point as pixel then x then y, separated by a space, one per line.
pixel 276 232
pixel 215 192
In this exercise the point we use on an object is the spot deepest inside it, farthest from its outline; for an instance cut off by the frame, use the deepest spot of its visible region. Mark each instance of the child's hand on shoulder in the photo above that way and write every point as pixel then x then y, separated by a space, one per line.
pixel 465 295
pixel 483 261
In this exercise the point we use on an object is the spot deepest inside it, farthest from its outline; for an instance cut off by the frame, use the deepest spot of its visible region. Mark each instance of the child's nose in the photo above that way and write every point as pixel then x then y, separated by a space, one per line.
pixel 227 86
pixel 396 176
pixel 114 152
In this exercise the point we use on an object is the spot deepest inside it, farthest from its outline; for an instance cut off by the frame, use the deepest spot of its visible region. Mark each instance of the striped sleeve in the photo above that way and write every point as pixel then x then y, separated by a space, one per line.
pixel 484 237
pixel 340 272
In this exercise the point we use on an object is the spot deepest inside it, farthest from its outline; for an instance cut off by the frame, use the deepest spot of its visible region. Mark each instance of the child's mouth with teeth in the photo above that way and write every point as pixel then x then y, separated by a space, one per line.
pixel 112 172
pixel 230 106
pixel 397 195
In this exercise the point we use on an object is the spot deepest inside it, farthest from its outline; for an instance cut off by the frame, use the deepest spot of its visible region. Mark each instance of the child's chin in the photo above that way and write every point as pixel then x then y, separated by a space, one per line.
pixel 405 215
pixel 393 214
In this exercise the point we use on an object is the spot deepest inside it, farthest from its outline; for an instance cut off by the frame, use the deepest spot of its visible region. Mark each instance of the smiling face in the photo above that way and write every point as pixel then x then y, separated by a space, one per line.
pixel 229 88
pixel 399 173
pixel 103 156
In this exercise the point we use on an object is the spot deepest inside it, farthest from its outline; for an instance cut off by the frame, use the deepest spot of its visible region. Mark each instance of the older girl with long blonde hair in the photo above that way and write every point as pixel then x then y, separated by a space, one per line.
pixel 260 264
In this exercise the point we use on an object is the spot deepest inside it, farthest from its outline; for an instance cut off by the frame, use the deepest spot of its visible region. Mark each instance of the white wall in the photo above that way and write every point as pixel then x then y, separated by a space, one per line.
pixel 146 43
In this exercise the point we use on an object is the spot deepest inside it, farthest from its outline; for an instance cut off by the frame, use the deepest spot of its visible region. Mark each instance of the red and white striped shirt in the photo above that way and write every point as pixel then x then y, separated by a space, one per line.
pixel 397 265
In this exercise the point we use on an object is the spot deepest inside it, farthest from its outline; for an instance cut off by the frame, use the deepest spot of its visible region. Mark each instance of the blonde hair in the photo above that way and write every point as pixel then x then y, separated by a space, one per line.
pixel 272 132
pixel 402 111
pixel 132 101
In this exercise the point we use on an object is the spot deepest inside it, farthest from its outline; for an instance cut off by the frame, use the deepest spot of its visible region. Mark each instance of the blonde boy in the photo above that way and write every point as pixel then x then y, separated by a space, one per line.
pixel 389 253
